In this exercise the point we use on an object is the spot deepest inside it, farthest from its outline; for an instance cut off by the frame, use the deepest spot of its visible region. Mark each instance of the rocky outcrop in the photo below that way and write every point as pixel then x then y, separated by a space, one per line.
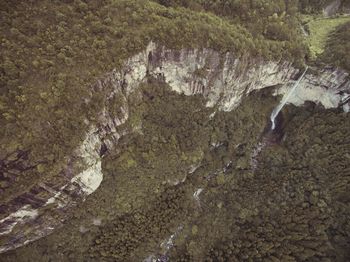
pixel 329 87
pixel 332 8
pixel 31 211
pixel 222 79
pixel 29 215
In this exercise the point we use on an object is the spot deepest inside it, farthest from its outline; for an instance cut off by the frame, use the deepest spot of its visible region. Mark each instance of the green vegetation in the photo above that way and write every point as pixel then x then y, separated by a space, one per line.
pixel 52 51
pixel 139 203
pixel 140 231
pixel 172 139
pixel 269 19
pixel 293 207
pixel 337 50
pixel 320 30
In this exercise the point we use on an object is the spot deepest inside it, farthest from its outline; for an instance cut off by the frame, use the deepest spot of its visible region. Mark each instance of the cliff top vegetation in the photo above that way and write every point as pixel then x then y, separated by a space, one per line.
pixel 51 51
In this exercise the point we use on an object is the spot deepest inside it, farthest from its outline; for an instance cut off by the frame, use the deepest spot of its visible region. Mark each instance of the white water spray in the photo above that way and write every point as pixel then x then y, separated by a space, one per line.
pixel 284 101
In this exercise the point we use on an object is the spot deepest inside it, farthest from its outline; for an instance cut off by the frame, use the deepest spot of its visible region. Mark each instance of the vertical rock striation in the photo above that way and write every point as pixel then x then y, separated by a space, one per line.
pixel 222 79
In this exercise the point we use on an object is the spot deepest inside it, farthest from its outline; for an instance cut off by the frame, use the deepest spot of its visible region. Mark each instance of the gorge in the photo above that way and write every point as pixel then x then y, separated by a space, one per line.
pixel 163 131
pixel 222 80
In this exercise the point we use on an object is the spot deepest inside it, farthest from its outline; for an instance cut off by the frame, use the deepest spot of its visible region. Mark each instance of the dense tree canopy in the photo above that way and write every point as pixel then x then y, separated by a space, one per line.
pixel 51 51
pixel 338 47
pixel 292 206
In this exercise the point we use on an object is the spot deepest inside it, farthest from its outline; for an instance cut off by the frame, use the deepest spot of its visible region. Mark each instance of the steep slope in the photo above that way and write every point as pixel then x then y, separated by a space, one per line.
pixel 62 136
pixel 221 79
pixel 53 51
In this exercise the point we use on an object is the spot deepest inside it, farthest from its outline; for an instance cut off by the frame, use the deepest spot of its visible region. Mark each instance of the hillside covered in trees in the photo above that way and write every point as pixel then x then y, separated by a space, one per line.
pixel 338 48
pixel 51 51
pixel 185 170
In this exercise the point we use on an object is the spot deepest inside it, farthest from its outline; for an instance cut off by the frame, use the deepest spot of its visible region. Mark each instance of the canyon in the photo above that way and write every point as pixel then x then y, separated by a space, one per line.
pixel 222 79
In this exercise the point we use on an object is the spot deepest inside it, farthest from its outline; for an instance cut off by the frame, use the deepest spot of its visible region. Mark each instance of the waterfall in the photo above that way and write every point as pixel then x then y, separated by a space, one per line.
pixel 284 101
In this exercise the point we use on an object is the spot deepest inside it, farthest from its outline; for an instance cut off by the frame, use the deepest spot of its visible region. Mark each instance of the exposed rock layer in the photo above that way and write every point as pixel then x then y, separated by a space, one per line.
pixel 222 79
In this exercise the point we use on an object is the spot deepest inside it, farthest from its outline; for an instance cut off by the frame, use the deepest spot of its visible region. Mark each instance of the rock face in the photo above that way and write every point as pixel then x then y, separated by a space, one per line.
pixel 31 212
pixel 332 8
pixel 222 79
pixel 329 87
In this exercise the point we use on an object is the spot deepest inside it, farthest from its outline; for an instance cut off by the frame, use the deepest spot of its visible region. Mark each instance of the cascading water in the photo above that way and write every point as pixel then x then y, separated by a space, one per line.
pixel 284 101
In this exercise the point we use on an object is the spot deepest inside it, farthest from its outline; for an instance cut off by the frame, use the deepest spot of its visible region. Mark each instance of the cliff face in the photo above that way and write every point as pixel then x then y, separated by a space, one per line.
pixel 222 79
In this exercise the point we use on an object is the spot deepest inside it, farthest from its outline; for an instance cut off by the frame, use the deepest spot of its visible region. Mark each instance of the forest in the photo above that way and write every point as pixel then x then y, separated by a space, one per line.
pixel 52 51
pixel 338 48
